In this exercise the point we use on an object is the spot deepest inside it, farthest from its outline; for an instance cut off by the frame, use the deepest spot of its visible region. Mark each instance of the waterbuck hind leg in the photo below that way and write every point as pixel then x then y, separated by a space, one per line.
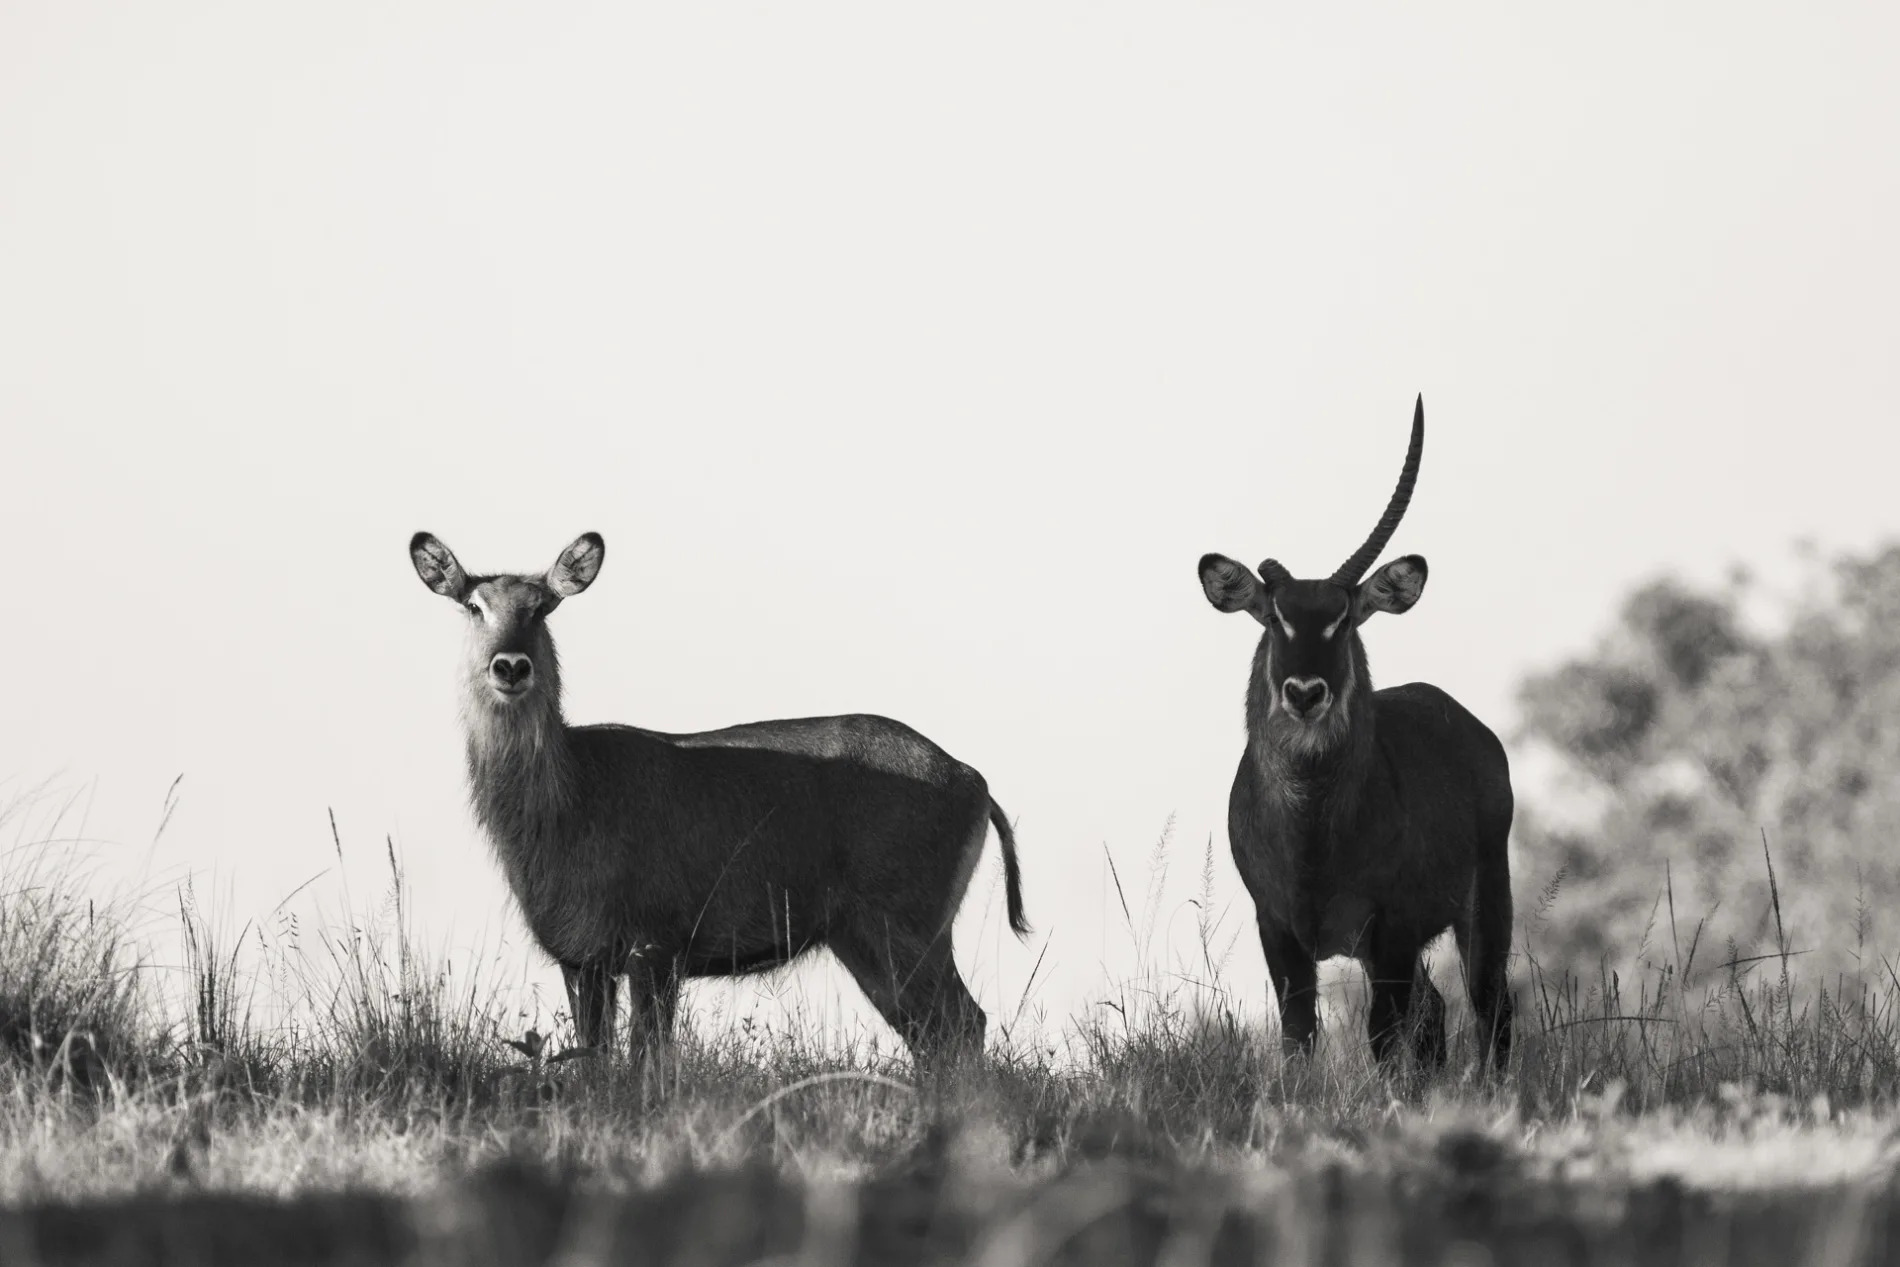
pixel 1497 1016
pixel 914 984
pixel 1295 979
pixel 591 991
pixel 653 999
pixel 1484 945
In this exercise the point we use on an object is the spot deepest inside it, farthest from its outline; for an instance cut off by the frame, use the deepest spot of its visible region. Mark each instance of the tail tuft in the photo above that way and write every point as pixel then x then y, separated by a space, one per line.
pixel 1012 876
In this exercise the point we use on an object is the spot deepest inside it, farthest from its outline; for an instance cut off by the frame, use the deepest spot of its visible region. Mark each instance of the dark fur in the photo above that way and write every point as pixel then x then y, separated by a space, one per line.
pixel 1371 826
pixel 665 857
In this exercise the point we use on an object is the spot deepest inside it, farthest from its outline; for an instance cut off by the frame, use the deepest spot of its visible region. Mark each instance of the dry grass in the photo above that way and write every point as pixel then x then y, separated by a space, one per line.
pixel 1696 1098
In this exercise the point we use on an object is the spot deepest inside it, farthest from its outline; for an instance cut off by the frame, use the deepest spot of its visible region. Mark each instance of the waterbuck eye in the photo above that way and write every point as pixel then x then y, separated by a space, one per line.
pixel 472 610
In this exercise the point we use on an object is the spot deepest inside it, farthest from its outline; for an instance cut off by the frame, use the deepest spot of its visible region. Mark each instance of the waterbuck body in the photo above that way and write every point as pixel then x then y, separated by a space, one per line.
pixel 663 857
pixel 1364 823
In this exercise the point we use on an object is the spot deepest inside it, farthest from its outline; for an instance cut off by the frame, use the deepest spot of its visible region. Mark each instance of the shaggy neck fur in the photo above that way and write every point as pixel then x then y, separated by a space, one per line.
pixel 521 773
pixel 1312 773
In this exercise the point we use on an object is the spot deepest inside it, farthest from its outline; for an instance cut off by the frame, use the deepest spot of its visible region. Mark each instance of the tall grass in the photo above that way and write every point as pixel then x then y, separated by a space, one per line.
pixel 71 1004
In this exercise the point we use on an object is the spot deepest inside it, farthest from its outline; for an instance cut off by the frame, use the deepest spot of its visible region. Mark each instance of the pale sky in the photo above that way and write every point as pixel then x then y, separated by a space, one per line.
pixel 908 359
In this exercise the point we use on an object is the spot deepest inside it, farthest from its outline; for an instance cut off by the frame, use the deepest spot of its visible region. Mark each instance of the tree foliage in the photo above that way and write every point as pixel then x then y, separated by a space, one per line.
pixel 1698 733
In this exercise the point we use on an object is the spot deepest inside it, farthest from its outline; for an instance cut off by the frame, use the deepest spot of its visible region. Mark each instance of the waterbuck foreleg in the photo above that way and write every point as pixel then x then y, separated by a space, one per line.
pixel 1427 1017
pixel 591 989
pixel 1405 1005
pixel 1295 979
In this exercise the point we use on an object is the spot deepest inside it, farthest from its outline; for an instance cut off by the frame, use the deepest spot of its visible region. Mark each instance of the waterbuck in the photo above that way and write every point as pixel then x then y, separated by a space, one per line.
pixel 663 857
pixel 1364 822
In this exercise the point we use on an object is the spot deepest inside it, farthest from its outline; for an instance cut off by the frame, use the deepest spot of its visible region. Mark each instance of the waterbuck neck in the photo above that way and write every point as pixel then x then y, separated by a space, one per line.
pixel 1312 772
pixel 521 774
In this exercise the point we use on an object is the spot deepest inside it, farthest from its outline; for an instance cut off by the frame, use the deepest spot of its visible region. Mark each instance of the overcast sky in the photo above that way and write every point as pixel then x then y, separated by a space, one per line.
pixel 907 358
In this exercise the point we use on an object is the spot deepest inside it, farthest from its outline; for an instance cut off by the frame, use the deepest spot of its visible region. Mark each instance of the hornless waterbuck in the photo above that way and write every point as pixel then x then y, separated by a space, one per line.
pixel 663 857
pixel 1364 822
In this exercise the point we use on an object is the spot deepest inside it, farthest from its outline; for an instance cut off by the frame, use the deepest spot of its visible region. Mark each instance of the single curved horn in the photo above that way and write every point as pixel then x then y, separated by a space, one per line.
pixel 1352 569
pixel 1273 572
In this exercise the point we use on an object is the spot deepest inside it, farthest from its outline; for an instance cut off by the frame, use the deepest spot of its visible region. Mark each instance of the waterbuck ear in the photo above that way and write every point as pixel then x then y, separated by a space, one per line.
pixel 578 565
pixel 436 565
pixel 1393 588
pixel 1231 587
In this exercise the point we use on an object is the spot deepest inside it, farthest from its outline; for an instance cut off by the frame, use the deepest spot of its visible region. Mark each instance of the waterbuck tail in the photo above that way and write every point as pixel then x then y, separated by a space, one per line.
pixel 1012 876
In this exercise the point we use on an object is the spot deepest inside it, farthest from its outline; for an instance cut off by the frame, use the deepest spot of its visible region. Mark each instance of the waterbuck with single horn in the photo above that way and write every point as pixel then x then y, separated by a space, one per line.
pixel 1364 822
pixel 662 857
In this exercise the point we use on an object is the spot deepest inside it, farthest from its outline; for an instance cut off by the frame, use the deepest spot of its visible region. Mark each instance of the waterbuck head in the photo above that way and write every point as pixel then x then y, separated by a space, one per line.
pixel 1310 669
pixel 510 660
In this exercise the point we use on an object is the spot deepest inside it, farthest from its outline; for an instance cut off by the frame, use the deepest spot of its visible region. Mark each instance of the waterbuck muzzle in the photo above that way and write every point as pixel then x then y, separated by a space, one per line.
pixel 510 672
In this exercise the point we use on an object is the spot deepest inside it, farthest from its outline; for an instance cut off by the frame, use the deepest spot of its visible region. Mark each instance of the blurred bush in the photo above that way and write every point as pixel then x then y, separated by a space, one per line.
pixel 1690 731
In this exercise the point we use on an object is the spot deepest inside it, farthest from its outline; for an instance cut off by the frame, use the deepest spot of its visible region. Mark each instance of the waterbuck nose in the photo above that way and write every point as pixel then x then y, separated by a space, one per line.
pixel 1304 696
pixel 511 669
